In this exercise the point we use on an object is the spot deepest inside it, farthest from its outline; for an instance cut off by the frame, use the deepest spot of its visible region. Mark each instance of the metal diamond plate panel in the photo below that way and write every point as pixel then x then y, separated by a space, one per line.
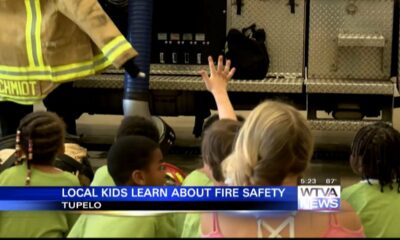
pixel 110 81
pixel 350 86
pixel 185 70
pixel 285 31
pixel 171 69
pixel 283 85
pixel 339 125
pixel 191 83
pixel 331 22
pixel 167 69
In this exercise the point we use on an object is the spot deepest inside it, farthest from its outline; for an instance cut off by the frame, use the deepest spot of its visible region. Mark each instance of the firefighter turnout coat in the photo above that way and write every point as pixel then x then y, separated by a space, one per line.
pixel 46 42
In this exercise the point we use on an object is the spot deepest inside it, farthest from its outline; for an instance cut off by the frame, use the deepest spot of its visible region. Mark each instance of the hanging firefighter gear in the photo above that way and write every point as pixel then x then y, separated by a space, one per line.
pixel 45 43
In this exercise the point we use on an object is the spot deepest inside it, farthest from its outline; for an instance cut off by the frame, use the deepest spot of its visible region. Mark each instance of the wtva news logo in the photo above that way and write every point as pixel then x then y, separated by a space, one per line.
pixel 319 198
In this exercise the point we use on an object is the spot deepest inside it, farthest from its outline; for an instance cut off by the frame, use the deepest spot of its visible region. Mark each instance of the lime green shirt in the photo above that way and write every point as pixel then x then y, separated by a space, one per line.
pixel 109 226
pixel 28 224
pixel 188 224
pixel 379 212
pixel 102 178
pixel 197 178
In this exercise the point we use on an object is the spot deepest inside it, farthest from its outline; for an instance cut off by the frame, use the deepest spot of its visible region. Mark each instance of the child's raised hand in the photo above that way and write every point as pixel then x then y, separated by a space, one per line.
pixel 218 79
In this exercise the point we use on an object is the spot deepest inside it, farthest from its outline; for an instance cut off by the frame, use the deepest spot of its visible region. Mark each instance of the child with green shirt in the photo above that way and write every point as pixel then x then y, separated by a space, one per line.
pixel 130 125
pixel 217 144
pixel 40 138
pixel 375 158
pixel 132 161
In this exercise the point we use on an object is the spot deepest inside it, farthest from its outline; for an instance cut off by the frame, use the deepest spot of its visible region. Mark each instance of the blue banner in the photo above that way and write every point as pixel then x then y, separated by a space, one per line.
pixel 148 198
pixel 154 194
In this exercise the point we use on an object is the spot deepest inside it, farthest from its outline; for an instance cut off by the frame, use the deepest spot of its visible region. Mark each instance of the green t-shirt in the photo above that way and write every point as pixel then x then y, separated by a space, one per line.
pixel 188 224
pixel 102 178
pixel 28 224
pixel 379 212
pixel 197 178
pixel 109 226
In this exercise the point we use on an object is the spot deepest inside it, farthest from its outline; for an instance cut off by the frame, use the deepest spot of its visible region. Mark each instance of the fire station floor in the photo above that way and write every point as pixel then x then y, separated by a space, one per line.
pixel 330 159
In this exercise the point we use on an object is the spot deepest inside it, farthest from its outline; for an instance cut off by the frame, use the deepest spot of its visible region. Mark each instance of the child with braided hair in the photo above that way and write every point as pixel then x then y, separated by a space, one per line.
pixel 375 157
pixel 40 137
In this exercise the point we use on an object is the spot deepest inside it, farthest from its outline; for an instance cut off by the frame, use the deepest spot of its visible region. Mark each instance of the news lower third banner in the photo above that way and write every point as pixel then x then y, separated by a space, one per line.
pixel 170 198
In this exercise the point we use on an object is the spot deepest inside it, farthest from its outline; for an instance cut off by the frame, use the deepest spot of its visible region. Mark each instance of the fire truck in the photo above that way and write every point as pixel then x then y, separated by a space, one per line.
pixel 335 59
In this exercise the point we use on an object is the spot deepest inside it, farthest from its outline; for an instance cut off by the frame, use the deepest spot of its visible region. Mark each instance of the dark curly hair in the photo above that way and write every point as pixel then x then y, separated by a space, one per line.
pixel 137 125
pixel 375 154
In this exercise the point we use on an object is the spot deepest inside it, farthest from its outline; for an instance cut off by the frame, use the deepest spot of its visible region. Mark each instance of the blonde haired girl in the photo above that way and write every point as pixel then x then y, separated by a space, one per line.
pixel 273 147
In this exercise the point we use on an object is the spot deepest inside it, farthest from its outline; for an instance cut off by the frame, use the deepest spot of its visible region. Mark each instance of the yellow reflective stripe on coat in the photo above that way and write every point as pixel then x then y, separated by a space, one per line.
pixel 38 25
pixel 69 71
pixel 28 31
pixel 56 74
pixel 33 31
pixel 115 48
pixel 120 50
pixel 112 44
pixel 68 67
pixel 22 101
pixel 84 69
